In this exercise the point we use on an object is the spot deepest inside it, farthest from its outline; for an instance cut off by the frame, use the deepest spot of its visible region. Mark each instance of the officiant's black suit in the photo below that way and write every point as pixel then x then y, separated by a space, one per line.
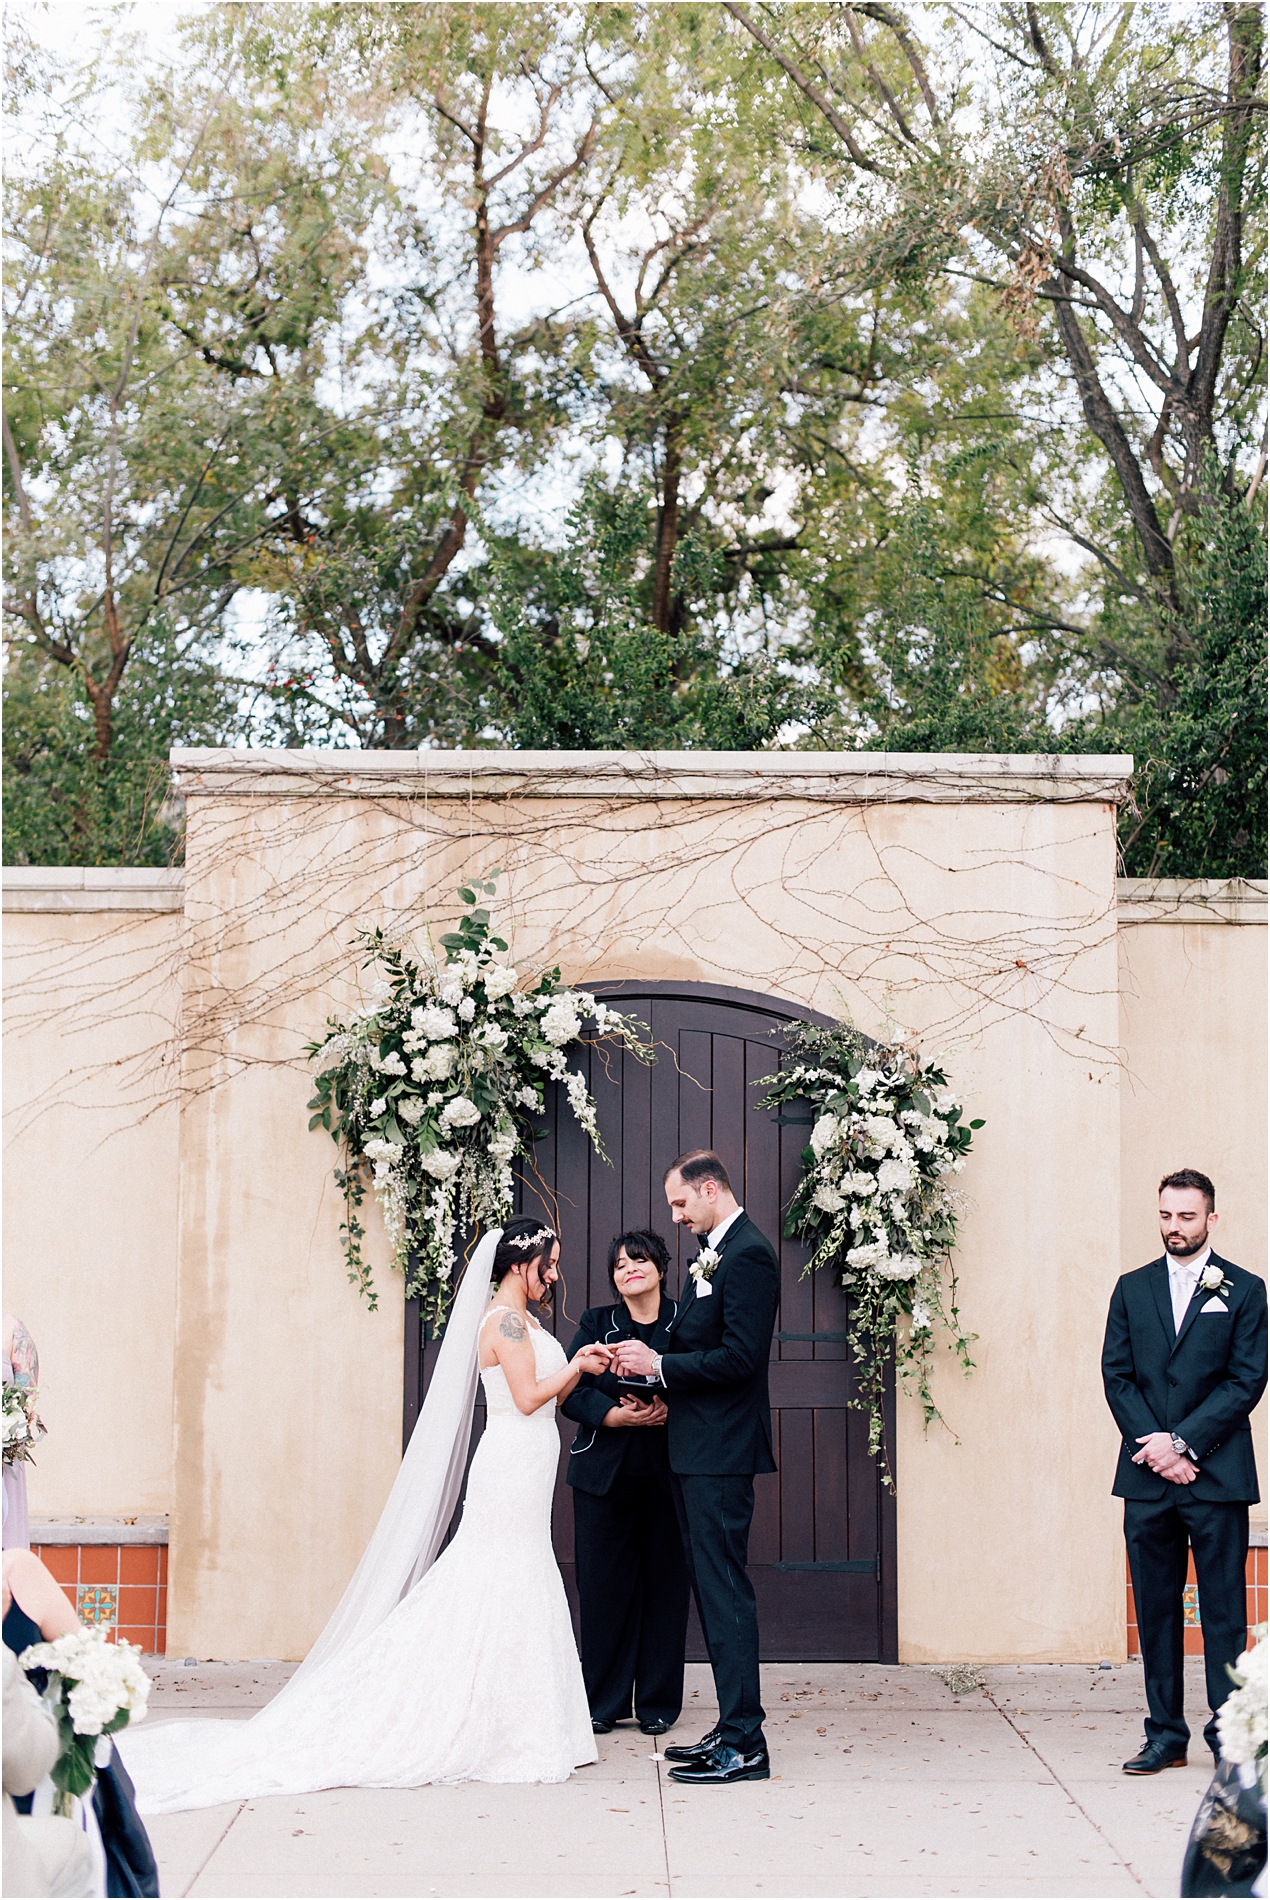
pixel 1200 1381
pixel 720 1435
pixel 630 1569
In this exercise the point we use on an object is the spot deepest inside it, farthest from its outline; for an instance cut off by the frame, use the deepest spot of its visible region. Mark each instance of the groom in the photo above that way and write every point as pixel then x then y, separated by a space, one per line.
pixel 714 1370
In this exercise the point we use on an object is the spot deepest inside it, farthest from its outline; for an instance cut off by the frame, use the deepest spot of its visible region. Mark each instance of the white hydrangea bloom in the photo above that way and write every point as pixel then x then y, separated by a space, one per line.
pixel 451 991
pixel 500 981
pixel 880 1134
pixel 460 1113
pixel 899 1266
pixel 867 1080
pixel 867 1255
pixel 491 1036
pixel 467 1009
pixel 828 1199
pixel 379 1106
pixel 825 1134
pixel 527 1097
pixel 895 1177
pixel 504 1144
pixel 522 1006
pixel 440 1163
pixel 1243 1727
pixel 437 1024
pixel 411 1110
pixel 438 1065
pixel 560 1022
pixel 921 1317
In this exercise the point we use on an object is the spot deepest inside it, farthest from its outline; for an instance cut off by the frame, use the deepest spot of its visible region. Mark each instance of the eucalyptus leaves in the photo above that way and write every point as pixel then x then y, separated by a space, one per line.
pixel 435 1088
pixel 875 1200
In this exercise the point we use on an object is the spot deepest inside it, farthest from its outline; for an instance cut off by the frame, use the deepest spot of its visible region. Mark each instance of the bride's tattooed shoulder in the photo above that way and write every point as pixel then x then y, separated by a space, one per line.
pixel 512 1326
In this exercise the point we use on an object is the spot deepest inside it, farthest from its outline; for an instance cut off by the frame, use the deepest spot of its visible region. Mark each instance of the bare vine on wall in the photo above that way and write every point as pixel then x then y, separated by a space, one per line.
pixel 839 902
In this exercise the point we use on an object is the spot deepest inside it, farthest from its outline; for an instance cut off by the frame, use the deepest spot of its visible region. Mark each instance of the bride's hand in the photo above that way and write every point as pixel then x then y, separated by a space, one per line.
pixel 593 1359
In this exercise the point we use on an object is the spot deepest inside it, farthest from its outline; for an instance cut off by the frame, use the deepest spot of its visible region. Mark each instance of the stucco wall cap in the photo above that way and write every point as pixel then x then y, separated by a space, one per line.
pixel 835 777
pixel 1191 900
pixel 75 887
pixel 98 1530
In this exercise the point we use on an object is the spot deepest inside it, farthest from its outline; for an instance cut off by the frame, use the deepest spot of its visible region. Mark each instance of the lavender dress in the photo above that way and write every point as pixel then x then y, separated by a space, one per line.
pixel 21 1367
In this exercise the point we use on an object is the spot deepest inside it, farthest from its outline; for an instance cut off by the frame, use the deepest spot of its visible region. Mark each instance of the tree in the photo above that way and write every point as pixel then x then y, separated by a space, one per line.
pixel 136 481
pixel 1096 134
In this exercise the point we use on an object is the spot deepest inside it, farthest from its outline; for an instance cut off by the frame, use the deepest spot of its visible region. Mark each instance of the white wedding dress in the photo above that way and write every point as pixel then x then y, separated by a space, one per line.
pixel 473 1676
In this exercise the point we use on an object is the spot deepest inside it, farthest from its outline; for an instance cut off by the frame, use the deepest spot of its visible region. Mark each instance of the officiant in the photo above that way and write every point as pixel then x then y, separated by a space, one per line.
pixel 631 1575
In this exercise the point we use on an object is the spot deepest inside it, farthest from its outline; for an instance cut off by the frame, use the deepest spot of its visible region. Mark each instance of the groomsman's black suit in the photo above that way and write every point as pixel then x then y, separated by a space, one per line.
pixel 1200 1382
pixel 720 1434
pixel 632 1578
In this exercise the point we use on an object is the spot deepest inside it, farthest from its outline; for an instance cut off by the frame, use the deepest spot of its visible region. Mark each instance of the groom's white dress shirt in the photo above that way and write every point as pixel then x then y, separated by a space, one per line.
pixel 714 1238
pixel 1183 1280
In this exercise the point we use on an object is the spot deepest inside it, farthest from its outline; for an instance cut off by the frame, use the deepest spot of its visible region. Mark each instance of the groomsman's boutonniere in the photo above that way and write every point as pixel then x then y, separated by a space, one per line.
pixel 702 1268
pixel 1213 1280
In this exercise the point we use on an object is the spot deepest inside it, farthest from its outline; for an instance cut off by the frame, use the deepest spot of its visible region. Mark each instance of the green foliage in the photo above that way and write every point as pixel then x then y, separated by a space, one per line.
pixel 64 805
pixel 319 324
pixel 1200 751
pixel 582 668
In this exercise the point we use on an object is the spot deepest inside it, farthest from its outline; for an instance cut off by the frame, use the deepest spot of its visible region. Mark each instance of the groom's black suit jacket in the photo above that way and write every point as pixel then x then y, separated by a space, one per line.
pixel 1201 1382
pixel 715 1364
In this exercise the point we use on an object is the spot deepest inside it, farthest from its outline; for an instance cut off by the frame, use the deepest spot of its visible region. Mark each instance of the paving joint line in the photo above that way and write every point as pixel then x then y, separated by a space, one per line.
pixel 214 1849
pixel 1027 1742
pixel 661 1809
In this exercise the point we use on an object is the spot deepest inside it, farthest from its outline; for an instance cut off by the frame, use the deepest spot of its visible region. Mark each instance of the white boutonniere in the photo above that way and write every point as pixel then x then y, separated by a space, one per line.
pixel 702 1268
pixel 1213 1280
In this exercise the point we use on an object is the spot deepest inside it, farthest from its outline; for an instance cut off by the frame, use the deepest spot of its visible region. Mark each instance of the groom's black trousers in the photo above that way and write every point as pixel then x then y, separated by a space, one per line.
pixel 632 1598
pixel 714 1516
pixel 1156 1535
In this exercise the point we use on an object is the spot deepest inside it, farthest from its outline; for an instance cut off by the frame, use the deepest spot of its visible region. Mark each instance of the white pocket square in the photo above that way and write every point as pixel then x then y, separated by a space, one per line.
pixel 704 1289
pixel 1214 1306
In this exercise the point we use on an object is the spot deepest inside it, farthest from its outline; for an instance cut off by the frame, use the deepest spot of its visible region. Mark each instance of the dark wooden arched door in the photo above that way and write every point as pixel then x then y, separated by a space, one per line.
pixel 822 1549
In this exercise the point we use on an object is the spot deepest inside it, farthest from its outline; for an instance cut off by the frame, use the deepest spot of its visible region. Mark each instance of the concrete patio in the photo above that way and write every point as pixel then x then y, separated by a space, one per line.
pixel 884 1783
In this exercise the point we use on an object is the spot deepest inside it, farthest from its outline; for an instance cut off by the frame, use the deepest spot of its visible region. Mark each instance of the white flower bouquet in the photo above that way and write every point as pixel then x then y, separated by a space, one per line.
pixel 876 1202
pixel 436 1086
pixel 94 1689
pixel 22 1427
pixel 1243 1721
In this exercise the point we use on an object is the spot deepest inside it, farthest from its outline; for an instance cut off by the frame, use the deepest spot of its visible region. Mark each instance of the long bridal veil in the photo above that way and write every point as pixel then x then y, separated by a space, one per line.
pixel 421 1503
pixel 195 1764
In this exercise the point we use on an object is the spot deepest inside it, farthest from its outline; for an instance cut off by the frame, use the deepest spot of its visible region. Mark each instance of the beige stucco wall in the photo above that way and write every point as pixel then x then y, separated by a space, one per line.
pixel 990 928
pixel 90 1179
pixel 1193 1023
pixel 987 927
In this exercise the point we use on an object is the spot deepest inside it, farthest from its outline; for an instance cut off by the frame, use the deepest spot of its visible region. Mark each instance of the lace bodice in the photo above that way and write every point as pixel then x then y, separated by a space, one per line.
pixel 549 1357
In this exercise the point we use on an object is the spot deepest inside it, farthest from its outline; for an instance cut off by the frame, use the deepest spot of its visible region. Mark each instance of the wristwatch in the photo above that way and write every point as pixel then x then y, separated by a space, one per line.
pixel 1182 1449
pixel 657 1368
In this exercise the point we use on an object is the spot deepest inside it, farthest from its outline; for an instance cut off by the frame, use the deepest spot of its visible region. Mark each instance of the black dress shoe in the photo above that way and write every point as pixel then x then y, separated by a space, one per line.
pixel 695 1751
pixel 724 1765
pixel 600 1728
pixel 1154 1756
pixel 656 1727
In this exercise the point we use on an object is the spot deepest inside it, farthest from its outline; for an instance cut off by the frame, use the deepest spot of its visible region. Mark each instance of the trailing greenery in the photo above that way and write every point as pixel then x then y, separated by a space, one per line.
pixel 875 1204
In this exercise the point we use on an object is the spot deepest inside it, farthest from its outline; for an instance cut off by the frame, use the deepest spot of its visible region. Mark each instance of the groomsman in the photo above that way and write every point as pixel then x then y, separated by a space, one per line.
pixel 1183 1364
pixel 719 1432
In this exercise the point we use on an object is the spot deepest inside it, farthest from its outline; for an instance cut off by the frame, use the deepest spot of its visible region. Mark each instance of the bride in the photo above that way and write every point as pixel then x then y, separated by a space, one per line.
pixel 432 1669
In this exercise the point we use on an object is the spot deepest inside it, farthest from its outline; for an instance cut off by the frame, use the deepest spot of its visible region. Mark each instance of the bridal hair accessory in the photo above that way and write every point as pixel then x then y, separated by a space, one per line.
pixel 530 1240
